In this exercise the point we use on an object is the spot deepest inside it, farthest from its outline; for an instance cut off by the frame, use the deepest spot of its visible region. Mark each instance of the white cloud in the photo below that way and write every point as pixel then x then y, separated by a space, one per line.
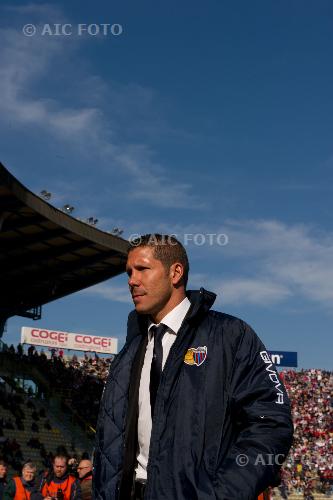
pixel 110 292
pixel 287 260
pixel 251 291
pixel 265 261
pixel 299 256
pixel 32 63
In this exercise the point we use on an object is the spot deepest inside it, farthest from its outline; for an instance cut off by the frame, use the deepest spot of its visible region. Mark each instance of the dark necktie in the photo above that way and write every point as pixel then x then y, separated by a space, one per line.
pixel 156 364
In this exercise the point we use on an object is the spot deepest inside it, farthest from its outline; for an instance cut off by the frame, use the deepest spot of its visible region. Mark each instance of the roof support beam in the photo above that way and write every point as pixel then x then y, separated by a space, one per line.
pixel 12 224
pixel 22 241
pixel 58 270
pixel 42 257
pixel 28 297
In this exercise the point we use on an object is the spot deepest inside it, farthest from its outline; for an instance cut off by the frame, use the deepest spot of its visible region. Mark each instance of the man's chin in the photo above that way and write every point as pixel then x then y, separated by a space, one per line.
pixel 140 309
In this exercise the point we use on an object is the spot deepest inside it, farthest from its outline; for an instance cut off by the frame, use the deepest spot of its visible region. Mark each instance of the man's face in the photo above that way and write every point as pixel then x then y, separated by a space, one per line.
pixel 84 467
pixel 28 474
pixel 3 471
pixel 150 283
pixel 59 467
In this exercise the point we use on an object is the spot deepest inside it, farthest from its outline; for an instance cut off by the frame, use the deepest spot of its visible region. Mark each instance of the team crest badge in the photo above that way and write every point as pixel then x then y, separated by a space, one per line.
pixel 195 356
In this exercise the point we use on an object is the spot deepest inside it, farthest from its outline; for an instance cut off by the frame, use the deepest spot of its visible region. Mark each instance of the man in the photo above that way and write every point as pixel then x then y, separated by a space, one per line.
pixel 193 408
pixel 3 477
pixel 60 484
pixel 23 488
pixel 84 471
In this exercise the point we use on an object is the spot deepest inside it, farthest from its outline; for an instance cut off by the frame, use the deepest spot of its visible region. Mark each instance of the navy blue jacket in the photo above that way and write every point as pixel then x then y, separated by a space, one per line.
pixel 222 424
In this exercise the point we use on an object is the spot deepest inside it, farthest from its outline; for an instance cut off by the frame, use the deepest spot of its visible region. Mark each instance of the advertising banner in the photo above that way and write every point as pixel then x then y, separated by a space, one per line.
pixel 284 358
pixel 66 340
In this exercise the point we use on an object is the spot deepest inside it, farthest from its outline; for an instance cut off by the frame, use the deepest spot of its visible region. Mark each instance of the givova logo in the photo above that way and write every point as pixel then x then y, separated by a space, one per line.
pixel 273 377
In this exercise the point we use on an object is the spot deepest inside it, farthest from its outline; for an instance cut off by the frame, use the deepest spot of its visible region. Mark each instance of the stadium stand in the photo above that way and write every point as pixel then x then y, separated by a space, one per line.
pixel 31 428
pixel 46 254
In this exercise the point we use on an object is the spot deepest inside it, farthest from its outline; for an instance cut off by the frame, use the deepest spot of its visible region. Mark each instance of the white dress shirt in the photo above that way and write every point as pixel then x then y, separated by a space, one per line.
pixel 173 321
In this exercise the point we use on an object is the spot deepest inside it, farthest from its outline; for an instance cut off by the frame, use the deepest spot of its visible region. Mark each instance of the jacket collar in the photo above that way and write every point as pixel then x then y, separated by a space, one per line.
pixel 201 301
pixel 27 484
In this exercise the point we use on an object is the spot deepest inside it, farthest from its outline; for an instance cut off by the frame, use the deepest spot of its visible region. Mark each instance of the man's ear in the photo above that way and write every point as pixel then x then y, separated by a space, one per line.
pixel 176 272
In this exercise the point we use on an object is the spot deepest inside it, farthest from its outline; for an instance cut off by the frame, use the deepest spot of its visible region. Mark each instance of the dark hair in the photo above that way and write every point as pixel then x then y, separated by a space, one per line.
pixel 3 462
pixel 167 249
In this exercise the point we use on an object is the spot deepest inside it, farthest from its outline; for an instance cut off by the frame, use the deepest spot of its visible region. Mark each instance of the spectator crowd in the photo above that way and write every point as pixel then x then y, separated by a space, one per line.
pixel 309 466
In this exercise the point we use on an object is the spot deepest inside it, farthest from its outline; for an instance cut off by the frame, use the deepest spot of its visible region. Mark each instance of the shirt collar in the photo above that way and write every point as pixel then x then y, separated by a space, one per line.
pixel 173 320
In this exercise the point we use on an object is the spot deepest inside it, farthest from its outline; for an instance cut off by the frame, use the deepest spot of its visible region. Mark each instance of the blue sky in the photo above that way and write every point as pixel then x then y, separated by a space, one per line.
pixel 198 118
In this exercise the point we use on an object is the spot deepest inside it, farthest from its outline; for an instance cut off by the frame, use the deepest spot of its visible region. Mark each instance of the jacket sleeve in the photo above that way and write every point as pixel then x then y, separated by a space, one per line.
pixel 9 491
pixel 261 421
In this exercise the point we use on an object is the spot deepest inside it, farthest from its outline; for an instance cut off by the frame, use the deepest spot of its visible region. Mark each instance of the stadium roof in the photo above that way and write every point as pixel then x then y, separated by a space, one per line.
pixel 46 254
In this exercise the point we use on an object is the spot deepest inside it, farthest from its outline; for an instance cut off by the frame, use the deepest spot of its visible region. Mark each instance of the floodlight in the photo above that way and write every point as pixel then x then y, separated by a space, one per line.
pixel 68 208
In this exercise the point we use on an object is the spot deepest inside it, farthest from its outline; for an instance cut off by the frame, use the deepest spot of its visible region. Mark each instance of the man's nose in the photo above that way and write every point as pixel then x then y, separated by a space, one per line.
pixel 133 280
